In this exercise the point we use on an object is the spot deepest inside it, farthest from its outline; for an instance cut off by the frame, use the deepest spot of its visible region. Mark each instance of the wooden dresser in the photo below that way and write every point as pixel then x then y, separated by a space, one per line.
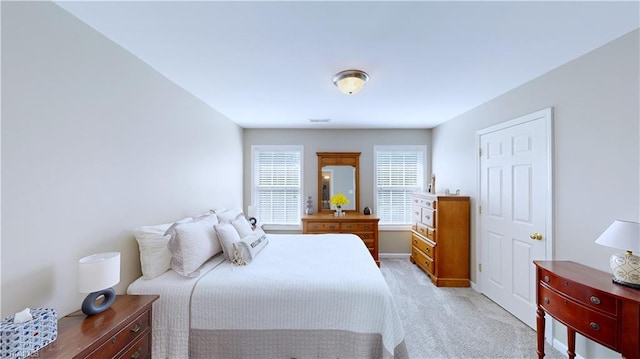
pixel 440 238
pixel 122 331
pixel 588 302
pixel 365 226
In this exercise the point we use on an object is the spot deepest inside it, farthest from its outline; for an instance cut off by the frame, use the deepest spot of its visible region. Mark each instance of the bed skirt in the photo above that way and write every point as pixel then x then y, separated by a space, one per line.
pixel 268 344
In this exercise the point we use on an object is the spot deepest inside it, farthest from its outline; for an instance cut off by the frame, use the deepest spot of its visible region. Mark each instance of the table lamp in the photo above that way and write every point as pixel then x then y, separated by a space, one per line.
pixel 97 274
pixel 626 266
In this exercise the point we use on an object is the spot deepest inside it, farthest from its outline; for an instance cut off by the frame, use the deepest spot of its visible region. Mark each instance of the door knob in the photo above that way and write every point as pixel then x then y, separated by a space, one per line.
pixel 536 236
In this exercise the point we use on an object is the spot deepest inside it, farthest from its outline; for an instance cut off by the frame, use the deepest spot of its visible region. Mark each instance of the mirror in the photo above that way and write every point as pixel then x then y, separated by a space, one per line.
pixel 338 172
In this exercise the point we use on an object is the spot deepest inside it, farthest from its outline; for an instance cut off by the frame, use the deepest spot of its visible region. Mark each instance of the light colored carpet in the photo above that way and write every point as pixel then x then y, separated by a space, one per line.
pixel 455 322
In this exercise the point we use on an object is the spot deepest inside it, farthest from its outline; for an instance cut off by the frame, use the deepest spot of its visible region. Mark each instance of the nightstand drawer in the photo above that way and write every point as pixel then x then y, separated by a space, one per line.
pixel 125 336
pixel 139 350
pixel 323 227
pixel 356 226
pixel 590 323
pixel 423 245
pixel 583 294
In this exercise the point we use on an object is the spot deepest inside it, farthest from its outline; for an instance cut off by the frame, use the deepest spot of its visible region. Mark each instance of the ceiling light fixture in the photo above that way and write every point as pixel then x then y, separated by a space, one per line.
pixel 350 82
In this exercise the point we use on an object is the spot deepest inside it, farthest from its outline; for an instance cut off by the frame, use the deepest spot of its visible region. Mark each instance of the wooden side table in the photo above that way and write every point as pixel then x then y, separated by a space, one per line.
pixel 122 331
pixel 588 302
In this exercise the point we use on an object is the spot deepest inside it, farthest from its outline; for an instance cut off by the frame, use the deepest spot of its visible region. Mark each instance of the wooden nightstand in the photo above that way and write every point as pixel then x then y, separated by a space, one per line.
pixel 588 302
pixel 122 331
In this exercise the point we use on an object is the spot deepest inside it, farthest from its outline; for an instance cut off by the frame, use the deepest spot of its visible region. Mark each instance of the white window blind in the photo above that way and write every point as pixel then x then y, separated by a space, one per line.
pixel 277 184
pixel 399 172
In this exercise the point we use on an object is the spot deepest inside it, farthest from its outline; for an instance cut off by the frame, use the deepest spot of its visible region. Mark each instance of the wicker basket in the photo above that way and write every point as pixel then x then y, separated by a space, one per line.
pixel 19 340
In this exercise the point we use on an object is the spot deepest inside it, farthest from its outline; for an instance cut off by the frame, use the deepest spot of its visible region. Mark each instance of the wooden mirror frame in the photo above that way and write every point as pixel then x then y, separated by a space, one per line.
pixel 339 159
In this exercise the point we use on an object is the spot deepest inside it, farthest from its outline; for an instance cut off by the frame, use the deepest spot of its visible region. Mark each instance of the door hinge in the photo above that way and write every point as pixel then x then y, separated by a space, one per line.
pixel 480 267
pixel 479 152
pixel 479 209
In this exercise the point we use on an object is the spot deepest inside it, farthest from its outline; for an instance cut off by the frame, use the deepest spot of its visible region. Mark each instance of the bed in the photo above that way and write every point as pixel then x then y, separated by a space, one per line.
pixel 304 296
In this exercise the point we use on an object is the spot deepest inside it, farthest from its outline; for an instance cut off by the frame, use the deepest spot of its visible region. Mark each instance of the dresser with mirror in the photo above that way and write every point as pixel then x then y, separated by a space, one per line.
pixel 339 172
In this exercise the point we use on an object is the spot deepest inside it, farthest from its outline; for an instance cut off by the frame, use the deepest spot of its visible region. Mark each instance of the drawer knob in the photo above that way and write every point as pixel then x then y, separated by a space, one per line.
pixel 136 328
pixel 594 326
pixel 594 300
pixel 136 354
pixel 546 278
pixel 546 300
pixel 113 340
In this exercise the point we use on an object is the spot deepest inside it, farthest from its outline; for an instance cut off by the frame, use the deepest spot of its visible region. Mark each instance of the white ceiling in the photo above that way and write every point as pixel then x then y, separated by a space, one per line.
pixel 269 64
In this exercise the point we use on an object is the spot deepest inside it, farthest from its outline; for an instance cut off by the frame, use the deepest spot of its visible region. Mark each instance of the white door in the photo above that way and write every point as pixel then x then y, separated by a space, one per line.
pixel 514 220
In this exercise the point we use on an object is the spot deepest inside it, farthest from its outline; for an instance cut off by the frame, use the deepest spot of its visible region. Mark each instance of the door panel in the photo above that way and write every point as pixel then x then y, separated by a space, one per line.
pixel 514 173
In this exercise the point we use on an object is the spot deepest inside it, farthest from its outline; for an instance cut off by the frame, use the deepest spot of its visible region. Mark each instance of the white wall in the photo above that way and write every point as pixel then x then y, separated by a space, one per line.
pixel 596 149
pixel 353 140
pixel 94 144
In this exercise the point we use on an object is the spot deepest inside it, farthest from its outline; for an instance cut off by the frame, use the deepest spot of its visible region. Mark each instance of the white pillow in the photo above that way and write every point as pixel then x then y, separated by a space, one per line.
pixel 229 215
pixel 248 248
pixel 192 244
pixel 259 232
pixel 228 235
pixel 155 257
pixel 242 226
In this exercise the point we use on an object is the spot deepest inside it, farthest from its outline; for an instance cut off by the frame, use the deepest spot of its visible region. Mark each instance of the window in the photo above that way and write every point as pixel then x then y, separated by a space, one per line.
pixel 399 171
pixel 277 184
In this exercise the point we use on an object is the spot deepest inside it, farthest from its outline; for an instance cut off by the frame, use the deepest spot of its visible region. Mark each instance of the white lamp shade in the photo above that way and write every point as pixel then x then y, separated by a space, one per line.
pixel 623 235
pixel 98 271
pixel 252 211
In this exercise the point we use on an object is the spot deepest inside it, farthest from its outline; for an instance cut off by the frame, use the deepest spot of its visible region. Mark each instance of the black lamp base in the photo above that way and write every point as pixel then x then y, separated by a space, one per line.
pixel 89 306
pixel 621 282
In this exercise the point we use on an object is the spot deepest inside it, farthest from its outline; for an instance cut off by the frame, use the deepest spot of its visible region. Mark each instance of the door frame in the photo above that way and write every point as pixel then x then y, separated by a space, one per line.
pixel 547 115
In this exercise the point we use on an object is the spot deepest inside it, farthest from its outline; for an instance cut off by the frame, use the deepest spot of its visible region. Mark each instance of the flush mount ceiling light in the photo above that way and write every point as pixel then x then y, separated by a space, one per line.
pixel 350 82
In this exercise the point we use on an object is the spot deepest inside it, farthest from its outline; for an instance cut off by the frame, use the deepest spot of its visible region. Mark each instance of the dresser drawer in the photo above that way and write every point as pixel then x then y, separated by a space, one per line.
pixel 356 227
pixel 139 350
pixel 369 244
pixel 322 227
pixel 422 260
pixel 423 245
pixel 425 202
pixel 125 336
pixel 428 217
pixel 367 238
pixel 427 232
pixel 587 321
pixel 416 214
pixel 583 294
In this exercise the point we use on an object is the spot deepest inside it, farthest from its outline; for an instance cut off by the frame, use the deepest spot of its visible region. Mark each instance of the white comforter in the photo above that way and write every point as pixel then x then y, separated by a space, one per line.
pixel 300 282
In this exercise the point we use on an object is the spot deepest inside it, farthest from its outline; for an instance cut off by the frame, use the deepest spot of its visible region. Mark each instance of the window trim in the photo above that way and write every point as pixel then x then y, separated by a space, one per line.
pixel 298 148
pixel 399 148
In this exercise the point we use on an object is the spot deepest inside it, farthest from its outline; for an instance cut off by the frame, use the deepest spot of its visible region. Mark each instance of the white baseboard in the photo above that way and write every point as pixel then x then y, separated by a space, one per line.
pixel 562 348
pixel 394 255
